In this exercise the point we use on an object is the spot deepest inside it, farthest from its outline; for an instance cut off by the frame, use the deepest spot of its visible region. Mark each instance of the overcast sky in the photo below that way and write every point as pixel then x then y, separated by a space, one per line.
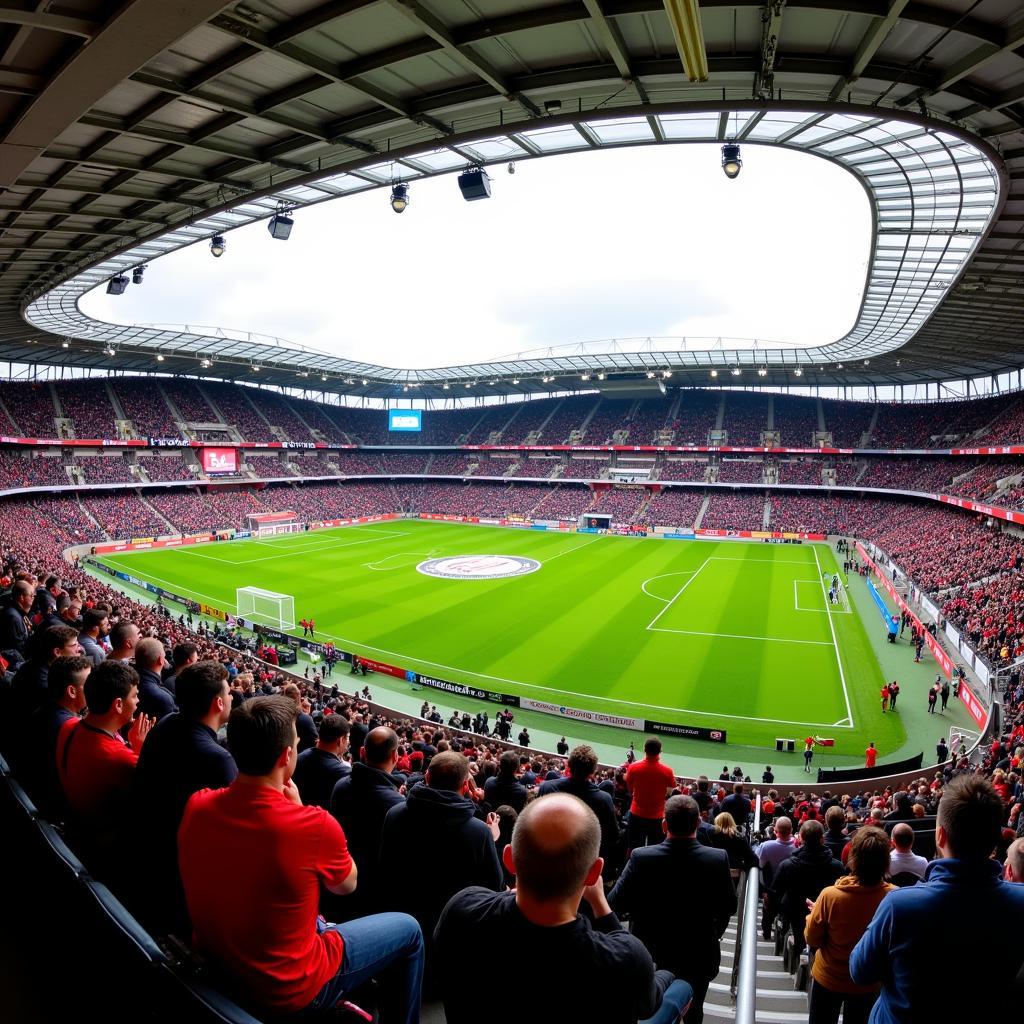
pixel 650 241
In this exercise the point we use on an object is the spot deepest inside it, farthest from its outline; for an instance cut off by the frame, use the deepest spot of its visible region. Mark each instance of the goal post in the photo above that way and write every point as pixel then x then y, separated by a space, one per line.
pixel 269 524
pixel 265 608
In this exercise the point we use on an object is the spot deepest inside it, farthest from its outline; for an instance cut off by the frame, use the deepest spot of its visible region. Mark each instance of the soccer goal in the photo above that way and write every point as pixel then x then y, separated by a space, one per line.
pixel 269 524
pixel 265 608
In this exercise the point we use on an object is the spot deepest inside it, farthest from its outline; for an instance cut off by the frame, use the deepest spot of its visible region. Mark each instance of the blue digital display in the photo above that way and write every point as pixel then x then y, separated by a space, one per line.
pixel 405 419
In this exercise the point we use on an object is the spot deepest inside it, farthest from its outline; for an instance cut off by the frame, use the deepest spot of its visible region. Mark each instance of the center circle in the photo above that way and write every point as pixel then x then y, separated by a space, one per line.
pixel 478 567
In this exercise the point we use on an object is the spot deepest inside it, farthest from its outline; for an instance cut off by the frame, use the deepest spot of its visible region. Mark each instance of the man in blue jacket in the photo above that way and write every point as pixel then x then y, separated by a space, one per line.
pixel 915 946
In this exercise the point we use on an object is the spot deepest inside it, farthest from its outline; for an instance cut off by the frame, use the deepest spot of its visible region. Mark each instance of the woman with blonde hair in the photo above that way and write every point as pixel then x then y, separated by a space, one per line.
pixel 839 917
pixel 726 837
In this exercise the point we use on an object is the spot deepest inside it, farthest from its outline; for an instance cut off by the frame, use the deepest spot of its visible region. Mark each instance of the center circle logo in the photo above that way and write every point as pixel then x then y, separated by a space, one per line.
pixel 478 567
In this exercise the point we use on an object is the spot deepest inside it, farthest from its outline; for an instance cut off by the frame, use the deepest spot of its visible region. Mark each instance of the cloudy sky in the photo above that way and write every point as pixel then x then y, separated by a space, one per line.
pixel 651 241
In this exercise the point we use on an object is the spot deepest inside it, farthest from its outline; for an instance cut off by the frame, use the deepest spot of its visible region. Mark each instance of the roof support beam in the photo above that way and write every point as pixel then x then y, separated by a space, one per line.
pixel 83 28
pixel 771 29
pixel 611 38
pixel 869 45
pixel 464 55
pixel 1013 37
pixel 138 32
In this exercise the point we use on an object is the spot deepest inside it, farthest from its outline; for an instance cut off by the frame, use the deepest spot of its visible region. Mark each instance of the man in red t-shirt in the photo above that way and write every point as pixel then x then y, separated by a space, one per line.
pixel 263 928
pixel 870 756
pixel 95 766
pixel 649 783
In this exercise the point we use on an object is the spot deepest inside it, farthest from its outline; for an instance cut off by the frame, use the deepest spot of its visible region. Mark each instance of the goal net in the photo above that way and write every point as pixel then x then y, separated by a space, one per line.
pixel 267 524
pixel 265 608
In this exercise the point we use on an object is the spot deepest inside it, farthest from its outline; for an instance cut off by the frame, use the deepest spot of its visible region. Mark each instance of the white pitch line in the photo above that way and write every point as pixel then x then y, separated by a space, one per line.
pixel 741 636
pixel 564 693
pixel 835 642
pixel 577 547
pixel 661 576
pixel 677 594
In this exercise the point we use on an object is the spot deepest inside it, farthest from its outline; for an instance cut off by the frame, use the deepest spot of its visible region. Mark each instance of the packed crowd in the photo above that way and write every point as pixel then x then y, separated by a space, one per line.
pixel 19 469
pixel 740 510
pixel 165 468
pixel 124 516
pixel 103 469
pixel 87 404
pixel 747 471
pixel 266 466
pixel 746 416
pixel 144 404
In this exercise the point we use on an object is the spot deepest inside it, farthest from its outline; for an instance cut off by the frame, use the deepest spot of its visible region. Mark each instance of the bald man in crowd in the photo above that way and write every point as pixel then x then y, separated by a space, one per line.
pixel 1014 868
pixel 590 971
pixel 902 859
pixel 155 699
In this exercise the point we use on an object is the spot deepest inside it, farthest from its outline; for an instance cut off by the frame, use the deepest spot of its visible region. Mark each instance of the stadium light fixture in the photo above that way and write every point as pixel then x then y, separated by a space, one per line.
pixel 714 373
pixel 65 343
pixel 650 375
pixel 399 196
pixel 205 363
pixel 281 224
pixel 255 368
pixel 584 376
pixel 511 167
pixel 666 374
pixel 474 184
pixel 601 375
pixel 218 245
pixel 109 351
pixel 159 357
pixel 736 371
pixel 323 377
pixel 731 162
pixel 515 380
pixel 117 284
pixel 365 382
pixel 137 273
pixel 799 372
pixel 763 372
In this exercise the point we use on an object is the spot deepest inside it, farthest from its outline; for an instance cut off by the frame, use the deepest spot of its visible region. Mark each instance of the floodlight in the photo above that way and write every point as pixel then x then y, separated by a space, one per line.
pixel 650 375
pixel 731 162
pixel 763 371
pixel 399 196
pixel 714 373
pixel 279 226
pixel 159 358
pixel 511 167
pixel 117 284
pixel 736 371
pixel 137 274
pixel 218 245
pixel 799 372
pixel 474 184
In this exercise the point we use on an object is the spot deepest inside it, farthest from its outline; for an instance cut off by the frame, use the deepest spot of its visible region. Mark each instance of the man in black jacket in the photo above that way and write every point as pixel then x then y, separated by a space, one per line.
pixel 181 756
pixel 680 897
pixel 360 802
pixel 802 877
pixel 14 623
pixel 505 788
pixel 155 699
pixel 582 765
pixel 433 845
pixel 585 971
pixel 319 769
pixel 738 805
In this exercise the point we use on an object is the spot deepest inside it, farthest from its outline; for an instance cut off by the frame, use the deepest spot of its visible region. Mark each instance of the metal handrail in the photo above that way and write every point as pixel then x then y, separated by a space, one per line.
pixel 744 967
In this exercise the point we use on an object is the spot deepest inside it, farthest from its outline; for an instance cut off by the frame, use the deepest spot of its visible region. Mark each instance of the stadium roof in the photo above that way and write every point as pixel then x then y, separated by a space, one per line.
pixel 166 123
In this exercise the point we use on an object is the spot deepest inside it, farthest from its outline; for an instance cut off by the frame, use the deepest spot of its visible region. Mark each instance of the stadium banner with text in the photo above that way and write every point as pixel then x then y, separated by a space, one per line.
pixel 171 542
pixel 214 613
pixel 934 648
pixel 598 717
pixel 975 708
pixel 461 689
pixel 693 732
pixel 758 535
pixel 219 460
pixel 328 524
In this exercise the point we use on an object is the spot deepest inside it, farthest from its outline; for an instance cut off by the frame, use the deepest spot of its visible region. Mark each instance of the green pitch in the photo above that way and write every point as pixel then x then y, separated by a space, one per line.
pixel 728 635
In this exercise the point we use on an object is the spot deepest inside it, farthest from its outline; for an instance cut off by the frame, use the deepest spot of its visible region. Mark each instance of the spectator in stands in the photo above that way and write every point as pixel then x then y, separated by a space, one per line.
pixel 802 877
pixel 915 928
pixel 453 847
pixel 183 655
pixel 582 766
pixel 96 766
pixel 28 688
pixel 588 971
pixel 123 639
pixel 835 831
pixel 360 802
pixel 180 757
pixel 838 919
pixel 15 626
pixel 738 805
pixel 262 928
pixel 680 897
pixel 649 783
pixel 726 836
pixel 154 699
pixel 505 787
pixel 305 724
pixel 95 627
pixel 37 763
pixel 319 769
pixel 1014 868
pixel 903 860
pixel 46 596
pixel 770 856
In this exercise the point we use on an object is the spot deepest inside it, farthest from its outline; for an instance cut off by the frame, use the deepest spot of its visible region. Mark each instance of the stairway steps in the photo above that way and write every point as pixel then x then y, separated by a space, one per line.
pixel 776 996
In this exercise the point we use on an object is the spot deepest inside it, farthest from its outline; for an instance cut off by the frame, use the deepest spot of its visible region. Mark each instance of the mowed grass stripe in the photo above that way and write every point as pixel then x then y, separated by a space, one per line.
pixel 575 631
